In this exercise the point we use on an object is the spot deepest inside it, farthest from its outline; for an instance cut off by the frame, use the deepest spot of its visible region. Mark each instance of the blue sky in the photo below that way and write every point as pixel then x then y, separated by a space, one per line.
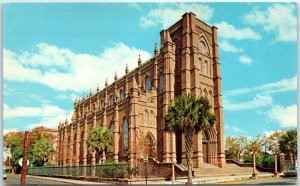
pixel 56 52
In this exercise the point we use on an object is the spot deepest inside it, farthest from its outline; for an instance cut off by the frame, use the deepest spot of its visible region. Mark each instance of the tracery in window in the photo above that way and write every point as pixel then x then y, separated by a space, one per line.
pixel 202 47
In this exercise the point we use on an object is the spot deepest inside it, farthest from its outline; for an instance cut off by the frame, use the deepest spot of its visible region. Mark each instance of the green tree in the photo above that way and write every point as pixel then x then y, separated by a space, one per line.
pixel 13 140
pixel 189 114
pixel 273 147
pixel 100 140
pixel 234 146
pixel 39 133
pixel 43 150
pixel 288 144
pixel 17 153
pixel 255 145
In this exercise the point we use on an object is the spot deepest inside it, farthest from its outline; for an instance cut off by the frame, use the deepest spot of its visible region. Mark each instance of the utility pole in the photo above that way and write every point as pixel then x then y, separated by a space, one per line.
pixel 24 163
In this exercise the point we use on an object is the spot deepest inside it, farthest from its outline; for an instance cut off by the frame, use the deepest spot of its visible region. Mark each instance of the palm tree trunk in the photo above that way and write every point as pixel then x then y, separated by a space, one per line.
pixel 294 159
pixel 189 154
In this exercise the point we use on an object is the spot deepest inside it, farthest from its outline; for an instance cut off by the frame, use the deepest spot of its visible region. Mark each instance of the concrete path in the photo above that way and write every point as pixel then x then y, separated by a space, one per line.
pixel 208 180
pixel 201 180
pixel 69 181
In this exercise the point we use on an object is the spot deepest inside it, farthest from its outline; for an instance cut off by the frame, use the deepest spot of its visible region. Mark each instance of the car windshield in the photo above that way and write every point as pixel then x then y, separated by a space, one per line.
pixel 292 168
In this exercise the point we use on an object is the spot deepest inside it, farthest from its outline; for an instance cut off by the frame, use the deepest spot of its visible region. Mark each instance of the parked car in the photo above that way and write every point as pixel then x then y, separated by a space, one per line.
pixel 292 171
pixel 4 174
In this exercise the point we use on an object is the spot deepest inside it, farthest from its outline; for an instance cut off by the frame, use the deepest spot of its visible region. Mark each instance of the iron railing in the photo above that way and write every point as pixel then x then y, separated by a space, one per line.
pixel 119 170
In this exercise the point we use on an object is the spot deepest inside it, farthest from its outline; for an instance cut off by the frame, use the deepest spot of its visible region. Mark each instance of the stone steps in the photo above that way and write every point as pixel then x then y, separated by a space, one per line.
pixel 228 169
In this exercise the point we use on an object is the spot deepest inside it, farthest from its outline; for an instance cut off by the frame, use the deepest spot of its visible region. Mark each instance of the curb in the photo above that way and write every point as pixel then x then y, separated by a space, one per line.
pixel 65 180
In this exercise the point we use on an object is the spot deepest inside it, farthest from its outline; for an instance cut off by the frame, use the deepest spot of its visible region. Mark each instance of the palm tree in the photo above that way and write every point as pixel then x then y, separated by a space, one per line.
pixel 100 140
pixel 255 146
pixel 189 114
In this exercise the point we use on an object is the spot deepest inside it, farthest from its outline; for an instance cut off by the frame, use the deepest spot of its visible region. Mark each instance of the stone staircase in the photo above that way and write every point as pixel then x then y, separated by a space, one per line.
pixel 227 170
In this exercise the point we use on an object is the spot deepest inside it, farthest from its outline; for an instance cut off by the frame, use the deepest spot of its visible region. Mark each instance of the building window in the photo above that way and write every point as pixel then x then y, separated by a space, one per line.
pixel 161 82
pixel 205 68
pixel 151 119
pixel 202 47
pixel 102 104
pixel 111 100
pixel 125 136
pixel 112 127
pixel 199 64
pixel 122 95
pixel 148 83
pixel 145 117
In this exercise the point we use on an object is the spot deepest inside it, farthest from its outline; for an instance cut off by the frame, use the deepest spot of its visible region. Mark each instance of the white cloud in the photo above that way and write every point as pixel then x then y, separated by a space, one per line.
pixel 43 111
pixel 245 59
pixel 39 99
pixel 283 85
pixel 70 71
pixel 46 115
pixel 51 122
pixel 228 31
pixel 285 116
pixel 70 96
pixel 5 131
pixel 268 133
pixel 278 18
pixel 227 47
pixel 234 129
pixel 170 13
pixel 256 102
pixel 135 6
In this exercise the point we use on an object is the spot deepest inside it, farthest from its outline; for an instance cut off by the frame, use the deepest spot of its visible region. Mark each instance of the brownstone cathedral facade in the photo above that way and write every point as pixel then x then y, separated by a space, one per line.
pixel 134 106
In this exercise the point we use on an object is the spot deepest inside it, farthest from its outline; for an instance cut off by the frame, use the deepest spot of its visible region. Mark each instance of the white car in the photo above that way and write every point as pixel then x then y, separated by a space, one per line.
pixel 4 174
pixel 292 171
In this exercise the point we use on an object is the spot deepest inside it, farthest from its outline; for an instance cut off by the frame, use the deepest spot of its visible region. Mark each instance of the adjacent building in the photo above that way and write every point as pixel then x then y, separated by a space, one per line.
pixel 134 106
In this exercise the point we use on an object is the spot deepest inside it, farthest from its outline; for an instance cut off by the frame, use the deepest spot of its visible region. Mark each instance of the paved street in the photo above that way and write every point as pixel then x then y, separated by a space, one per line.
pixel 266 181
pixel 15 180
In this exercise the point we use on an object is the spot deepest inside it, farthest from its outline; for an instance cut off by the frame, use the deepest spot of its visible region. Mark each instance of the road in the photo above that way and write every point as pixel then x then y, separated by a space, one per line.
pixel 266 181
pixel 14 179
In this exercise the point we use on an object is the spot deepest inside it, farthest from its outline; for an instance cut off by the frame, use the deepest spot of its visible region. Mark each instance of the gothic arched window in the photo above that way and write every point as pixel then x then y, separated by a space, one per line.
pixel 199 64
pixel 102 104
pixel 111 100
pixel 148 83
pixel 161 82
pixel 125 136
pixel 122 95
pixel 145 117
pixel 112 127
pixel 202 47
pixel 205 68
pixel 151 118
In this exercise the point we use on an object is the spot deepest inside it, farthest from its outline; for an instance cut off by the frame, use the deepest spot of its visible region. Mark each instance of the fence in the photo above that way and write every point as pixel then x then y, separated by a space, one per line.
pixel 103 171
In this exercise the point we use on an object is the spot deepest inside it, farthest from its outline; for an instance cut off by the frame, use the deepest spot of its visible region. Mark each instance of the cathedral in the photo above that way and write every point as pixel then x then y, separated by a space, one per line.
pixel 134 106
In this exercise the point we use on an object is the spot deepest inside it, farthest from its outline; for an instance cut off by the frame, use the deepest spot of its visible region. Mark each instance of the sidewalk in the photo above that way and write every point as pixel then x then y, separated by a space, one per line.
pixel 70 181
pixel 202 180
pixel 208 180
